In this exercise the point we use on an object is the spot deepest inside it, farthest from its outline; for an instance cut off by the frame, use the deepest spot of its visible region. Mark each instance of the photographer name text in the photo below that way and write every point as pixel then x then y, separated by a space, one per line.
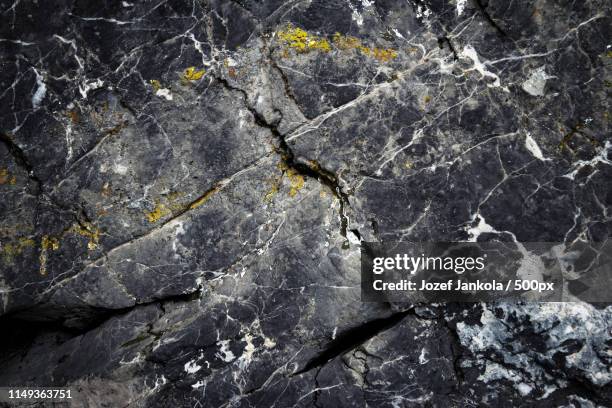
pixel 464 286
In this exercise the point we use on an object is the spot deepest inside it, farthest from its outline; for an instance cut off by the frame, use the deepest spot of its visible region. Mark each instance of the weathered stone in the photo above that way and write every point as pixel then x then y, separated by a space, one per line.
pixel 184 186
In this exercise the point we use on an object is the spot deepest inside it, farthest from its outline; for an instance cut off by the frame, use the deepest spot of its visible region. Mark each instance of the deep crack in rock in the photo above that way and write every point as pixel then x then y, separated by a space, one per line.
pixel 353 338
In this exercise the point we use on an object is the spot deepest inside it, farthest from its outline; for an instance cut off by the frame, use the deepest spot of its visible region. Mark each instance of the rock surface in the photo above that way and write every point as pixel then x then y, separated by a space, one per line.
pixel 184 186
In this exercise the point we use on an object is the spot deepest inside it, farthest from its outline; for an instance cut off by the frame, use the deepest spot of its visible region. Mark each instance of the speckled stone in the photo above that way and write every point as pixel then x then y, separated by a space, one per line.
pixel 184 186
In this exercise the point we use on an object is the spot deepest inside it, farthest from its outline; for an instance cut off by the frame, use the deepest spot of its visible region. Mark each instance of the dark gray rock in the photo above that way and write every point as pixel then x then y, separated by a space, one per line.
pixel 184 186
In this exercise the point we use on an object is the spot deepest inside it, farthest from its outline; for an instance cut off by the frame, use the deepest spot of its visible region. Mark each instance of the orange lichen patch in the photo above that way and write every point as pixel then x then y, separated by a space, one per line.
pixel 10 251
pixel 193 74
pixel 301 41
pixel 47 243
pixel 115 130
pixel 158 212
pixel 296 181
pixel 89 231
pixel 73 115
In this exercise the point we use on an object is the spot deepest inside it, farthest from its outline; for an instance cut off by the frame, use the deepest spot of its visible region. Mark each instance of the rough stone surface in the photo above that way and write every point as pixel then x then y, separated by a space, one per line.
pixel 184 185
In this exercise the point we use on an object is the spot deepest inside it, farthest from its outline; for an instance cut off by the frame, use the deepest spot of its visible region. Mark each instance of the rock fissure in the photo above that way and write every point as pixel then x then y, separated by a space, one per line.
pixel 482 6
pixel 354 337
pixel 20 159
pixel 307 168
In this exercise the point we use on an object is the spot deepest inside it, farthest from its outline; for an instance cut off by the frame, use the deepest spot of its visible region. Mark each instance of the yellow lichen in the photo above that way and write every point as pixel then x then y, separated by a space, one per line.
pixel 88 230
pixel 174 195
pixel 193 74
pixel 282 166
pixel 345 42
pixel 167 204
pixel 302 41
pixel 273 190
pixel 296 181
pixel 351 43
pixel 294 37
pixel 382 55
pixel 4 176
pixel 155 84
pixel 47 243
pixel 42 258
pixel 204 198
pixel 10 251
pixel 319 44
pixel 157 213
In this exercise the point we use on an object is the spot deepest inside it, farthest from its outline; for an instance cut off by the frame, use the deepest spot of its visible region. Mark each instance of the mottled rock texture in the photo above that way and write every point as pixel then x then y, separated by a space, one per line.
pixel 184 185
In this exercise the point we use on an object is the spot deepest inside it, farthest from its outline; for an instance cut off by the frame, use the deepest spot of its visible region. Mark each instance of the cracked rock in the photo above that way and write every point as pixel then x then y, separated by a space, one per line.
pixel 184 187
